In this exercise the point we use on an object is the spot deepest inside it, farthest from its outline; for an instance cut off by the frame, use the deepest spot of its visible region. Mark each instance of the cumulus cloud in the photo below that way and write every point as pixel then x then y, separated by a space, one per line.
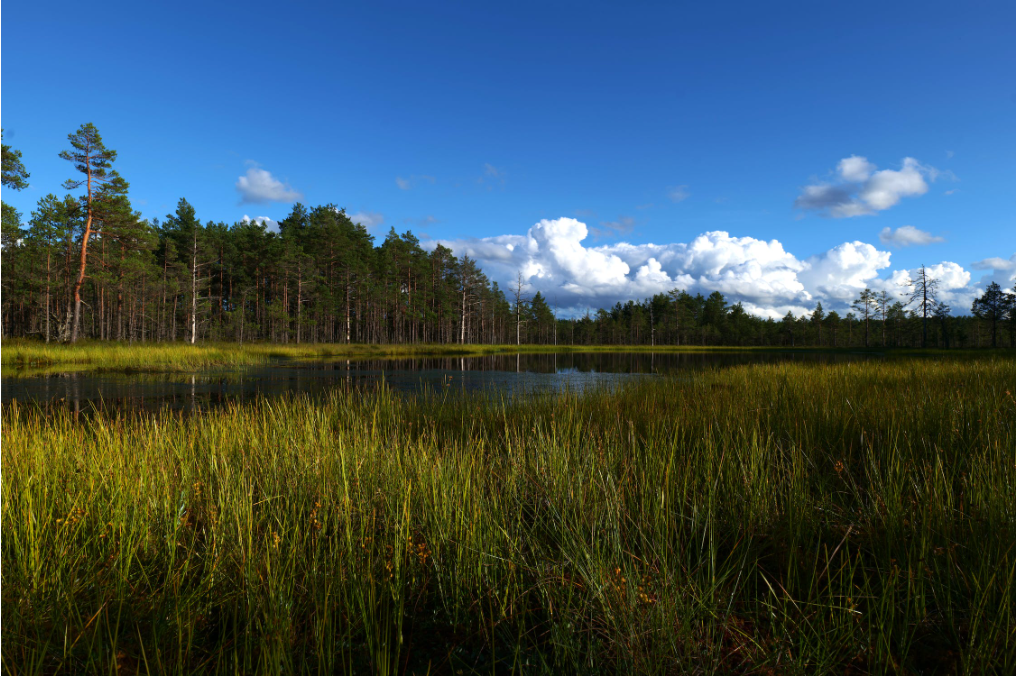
pixel 1003 271
pixel 678 194
pixel 905 236
pixel 368 220
pixel 954 286
pixel 855 169
pixel 552 257
pixel 950 276
pixel 269 223
pixel 996 263
pixel 843 271
pixel 259 186
pixel 862 189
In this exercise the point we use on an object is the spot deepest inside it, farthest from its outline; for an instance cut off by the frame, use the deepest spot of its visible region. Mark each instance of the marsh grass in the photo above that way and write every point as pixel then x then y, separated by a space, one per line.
pixel 19 355
pixel 177 356
pixel 855 517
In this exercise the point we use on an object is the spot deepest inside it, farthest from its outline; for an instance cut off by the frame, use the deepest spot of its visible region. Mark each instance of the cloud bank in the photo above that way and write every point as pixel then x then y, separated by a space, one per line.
pixel 553 258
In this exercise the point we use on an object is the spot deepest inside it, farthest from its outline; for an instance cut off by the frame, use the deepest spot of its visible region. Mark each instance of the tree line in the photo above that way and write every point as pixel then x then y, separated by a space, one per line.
pixel 87 265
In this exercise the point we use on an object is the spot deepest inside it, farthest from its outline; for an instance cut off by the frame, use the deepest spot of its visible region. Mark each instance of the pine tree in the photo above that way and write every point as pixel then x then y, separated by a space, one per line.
pixel 866 304
pixel 92 159
pixel 993 306
pixel 817 318
pixel 50 233
pixel 14 175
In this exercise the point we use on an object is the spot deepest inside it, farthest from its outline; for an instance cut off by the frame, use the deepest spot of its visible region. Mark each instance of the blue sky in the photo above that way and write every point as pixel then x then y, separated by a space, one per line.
pixel 649 123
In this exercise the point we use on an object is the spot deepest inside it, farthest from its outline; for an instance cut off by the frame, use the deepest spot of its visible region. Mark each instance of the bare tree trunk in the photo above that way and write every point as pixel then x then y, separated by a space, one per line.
pixel 194 287
pixel 76 319
pixel 463 314
pixel 347 306
pixel 299 283
pixel 47 298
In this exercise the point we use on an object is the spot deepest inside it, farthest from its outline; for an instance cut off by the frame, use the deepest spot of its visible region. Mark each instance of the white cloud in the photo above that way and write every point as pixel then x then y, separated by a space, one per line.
pixel 843 271
pixel 1003 271
pixel 678 194
pixel 404 184
pixel 905 236
pixel 259 186
pixel 954 288
pixel 996 263
pixel 951 276
pixel 886 188
pixel 863 190
pixel 855 168
pixel 368 220
pixel 552 258
pixel 770 281
pixel 269 223
pixel 493 171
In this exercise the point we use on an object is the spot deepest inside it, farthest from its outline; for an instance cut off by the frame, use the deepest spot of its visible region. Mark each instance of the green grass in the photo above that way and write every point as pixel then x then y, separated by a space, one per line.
pixel 19 355
pixel 179 356
pixel 798 518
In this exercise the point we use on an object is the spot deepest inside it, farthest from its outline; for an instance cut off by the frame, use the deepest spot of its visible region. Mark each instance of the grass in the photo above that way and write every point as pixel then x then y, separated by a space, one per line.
pixel 19 354
pixel 804 518
pixel 178 356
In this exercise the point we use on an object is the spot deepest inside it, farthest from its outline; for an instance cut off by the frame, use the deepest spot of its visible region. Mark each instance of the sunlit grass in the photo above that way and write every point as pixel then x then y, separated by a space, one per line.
pixel 853 517
pixel 28 354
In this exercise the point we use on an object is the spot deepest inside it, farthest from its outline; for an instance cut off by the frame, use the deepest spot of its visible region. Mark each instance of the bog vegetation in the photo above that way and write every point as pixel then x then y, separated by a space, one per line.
pixel 165 356
pixel 772 518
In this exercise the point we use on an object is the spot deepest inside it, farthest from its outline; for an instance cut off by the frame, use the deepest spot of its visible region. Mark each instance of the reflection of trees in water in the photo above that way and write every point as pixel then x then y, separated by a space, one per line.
pixel 643 362
pixel 83 392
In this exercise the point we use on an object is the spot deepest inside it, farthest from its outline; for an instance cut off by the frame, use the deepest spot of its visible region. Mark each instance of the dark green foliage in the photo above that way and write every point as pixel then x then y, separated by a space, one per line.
pixel 994 305
pixel 14 175
pixel 324 279
pixel 103 186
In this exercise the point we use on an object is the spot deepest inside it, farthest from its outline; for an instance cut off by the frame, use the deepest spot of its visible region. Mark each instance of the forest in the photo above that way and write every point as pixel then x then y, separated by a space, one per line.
pixel 87 265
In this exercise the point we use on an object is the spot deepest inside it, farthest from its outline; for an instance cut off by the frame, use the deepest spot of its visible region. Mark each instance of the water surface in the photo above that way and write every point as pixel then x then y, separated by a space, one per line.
pixel 508 374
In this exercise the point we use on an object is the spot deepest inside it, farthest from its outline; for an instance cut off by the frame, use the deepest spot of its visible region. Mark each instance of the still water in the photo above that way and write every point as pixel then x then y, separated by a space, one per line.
pixel 508 374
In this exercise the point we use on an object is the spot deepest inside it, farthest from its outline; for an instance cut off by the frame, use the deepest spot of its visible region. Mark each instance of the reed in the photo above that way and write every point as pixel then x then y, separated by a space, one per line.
pixel 21 354
pixel 821 518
